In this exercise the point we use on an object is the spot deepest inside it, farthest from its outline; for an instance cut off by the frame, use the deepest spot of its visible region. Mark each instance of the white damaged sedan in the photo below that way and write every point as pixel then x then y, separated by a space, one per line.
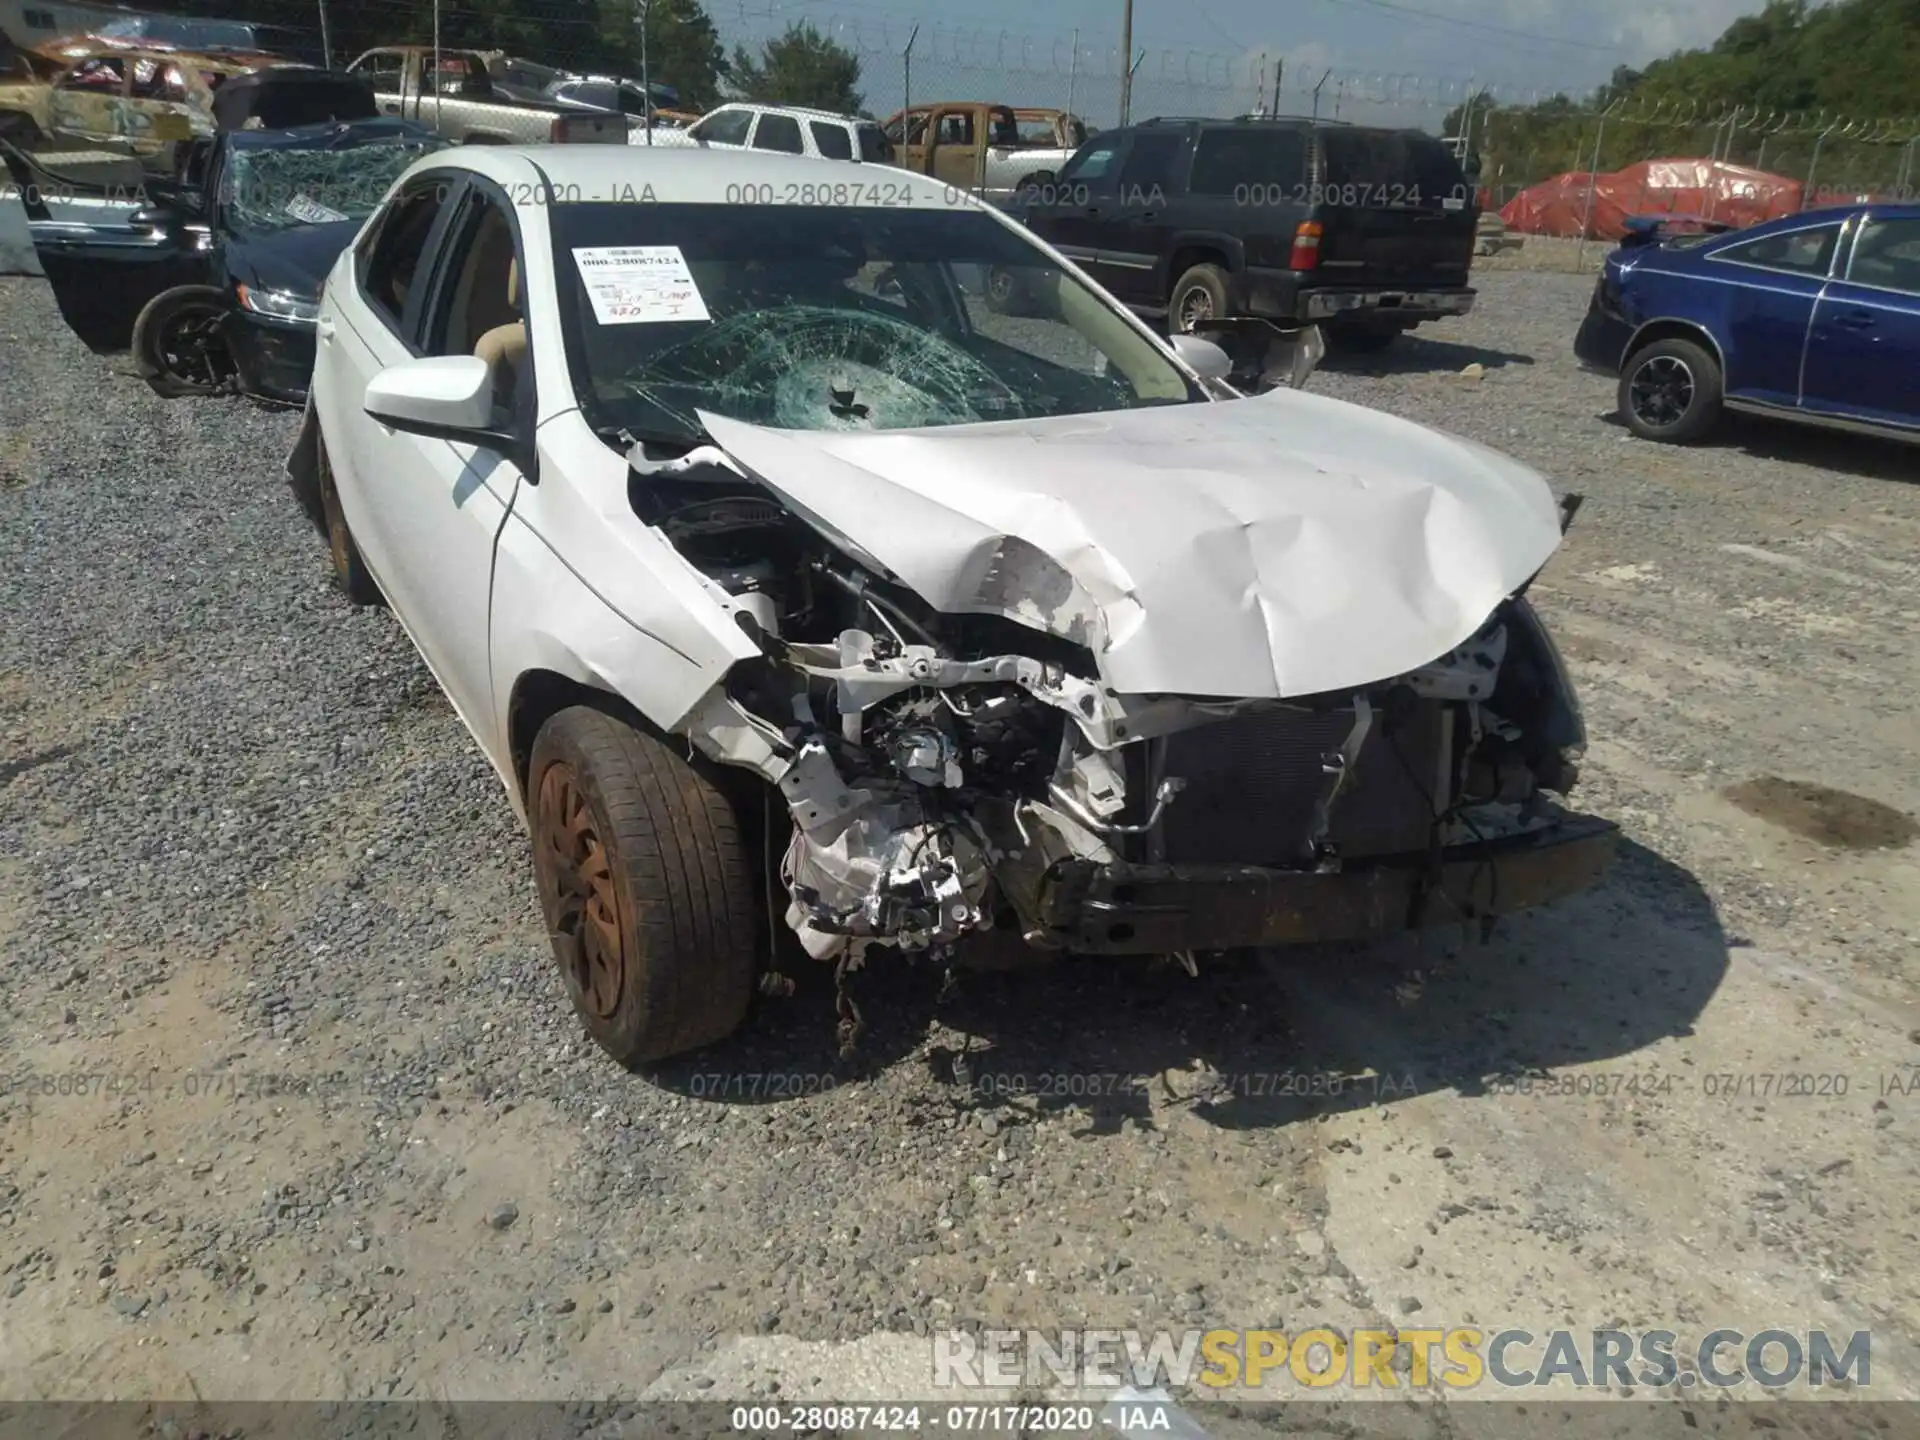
pixel 787 585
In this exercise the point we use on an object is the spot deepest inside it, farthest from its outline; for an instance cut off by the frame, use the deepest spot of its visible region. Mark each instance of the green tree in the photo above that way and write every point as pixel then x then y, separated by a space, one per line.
pixel 801 67
pixel 683 48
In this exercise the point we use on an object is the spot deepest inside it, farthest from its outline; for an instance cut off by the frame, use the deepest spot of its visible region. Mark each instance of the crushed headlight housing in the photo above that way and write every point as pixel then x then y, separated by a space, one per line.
pixel 279 305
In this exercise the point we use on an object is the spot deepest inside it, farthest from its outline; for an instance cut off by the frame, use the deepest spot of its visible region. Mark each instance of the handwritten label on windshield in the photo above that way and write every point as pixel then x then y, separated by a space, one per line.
pixel 310 211
pixel 639 284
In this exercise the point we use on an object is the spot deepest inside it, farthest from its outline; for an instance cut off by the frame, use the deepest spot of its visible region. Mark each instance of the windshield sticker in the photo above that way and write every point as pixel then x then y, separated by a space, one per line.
pixel 305 208
pixel 639 284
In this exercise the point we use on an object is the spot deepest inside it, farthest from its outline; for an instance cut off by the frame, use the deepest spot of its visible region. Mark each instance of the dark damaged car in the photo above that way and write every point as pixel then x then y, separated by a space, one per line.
pixel 212 281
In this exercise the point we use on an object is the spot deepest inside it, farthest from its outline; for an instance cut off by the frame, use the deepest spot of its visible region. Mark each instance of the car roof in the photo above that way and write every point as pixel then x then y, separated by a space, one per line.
pixel 677 175
pixel 805 110
pixel 71 48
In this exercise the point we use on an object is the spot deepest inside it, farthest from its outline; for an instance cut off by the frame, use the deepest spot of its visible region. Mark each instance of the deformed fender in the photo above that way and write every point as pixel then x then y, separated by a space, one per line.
pixel 545 618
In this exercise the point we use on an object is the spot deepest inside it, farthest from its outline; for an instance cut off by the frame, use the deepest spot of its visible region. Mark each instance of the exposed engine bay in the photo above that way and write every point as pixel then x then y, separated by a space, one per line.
pixel 948 773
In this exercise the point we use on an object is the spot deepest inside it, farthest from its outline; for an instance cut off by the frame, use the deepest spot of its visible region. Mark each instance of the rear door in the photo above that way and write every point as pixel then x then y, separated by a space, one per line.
pixel 1863 353
pixel 1245 194
pixel 1396 209
pixel 1770 284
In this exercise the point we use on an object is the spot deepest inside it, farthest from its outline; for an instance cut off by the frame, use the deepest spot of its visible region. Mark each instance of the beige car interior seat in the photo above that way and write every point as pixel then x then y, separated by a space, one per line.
pixel 504 345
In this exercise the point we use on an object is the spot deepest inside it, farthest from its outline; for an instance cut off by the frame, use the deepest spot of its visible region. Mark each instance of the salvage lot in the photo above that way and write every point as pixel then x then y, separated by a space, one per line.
pixel 242 835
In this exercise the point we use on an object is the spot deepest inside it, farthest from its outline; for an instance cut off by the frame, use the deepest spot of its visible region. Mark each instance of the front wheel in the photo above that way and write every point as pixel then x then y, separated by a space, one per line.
pixel 177 344
pixel 646 886
pixel 1670 391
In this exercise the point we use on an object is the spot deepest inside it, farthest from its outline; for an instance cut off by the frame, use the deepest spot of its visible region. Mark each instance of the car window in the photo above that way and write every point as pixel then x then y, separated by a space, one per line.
pixel 383 73
pixel 779 132
pixel 153 80
pixel 831 140
pixel 1798 252
pixel 1149 163
pixel 874 145
pixel 1378 168
pixel 392 258
pixel 781 309
pixel 956 128
pixel 1887 255
pixel 724 127
pixel 1092 163
pixel 632 100
pixel 98 73
pixel 1236 162
pixel 478 306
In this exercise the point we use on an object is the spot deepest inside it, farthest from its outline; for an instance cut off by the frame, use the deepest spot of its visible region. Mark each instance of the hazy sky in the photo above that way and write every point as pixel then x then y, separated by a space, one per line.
pixel 1200 47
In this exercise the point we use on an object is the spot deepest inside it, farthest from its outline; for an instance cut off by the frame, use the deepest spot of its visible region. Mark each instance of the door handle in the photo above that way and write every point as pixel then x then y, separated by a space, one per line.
pixel 1148 214
pixel 323 327
pixel 1855 319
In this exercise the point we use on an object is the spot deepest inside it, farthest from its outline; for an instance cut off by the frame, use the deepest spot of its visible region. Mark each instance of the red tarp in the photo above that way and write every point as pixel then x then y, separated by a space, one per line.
pixel 1712 190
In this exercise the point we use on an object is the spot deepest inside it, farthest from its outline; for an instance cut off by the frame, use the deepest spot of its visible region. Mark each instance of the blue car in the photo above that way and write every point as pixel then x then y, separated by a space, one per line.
pixel 1815 317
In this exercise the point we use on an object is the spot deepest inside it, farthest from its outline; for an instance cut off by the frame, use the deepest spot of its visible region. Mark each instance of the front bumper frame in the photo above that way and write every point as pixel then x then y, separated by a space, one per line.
pixel 274 357
pixel 1127 909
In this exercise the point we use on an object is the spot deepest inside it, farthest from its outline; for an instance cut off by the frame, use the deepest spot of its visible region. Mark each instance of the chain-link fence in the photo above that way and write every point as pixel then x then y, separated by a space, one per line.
pixel 1523 136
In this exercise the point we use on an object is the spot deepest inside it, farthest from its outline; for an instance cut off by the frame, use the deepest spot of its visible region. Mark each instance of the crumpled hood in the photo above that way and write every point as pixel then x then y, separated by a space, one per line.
pixel 1286 545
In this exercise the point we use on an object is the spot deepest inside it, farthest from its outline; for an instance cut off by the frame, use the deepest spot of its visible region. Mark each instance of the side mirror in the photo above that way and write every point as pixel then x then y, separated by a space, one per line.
pixel 444 397
pixel 1203 357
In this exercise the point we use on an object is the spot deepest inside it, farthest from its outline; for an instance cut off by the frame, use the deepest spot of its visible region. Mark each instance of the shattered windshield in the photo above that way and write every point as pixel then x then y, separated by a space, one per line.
pixel 276 188
pixel 809 317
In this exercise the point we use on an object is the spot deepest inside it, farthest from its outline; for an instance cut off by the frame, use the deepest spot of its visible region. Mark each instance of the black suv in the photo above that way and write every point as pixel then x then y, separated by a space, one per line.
pixel 1364 231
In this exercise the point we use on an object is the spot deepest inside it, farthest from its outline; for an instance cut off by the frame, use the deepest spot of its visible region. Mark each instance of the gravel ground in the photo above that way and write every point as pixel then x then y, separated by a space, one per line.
pixel 244 843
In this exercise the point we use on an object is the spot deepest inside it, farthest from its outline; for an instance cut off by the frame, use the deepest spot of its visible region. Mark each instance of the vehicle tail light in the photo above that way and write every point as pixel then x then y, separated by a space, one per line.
pixel 1306 246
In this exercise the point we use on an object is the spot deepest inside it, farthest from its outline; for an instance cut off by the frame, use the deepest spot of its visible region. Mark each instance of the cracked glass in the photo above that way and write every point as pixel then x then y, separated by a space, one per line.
pixel 851 318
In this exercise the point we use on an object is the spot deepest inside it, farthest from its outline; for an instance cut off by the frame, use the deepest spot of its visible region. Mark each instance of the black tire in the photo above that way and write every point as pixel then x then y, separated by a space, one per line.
pixel 177 345
pixel 1671 391
pixel 647 888
pixel 349 570
pixel 1199 294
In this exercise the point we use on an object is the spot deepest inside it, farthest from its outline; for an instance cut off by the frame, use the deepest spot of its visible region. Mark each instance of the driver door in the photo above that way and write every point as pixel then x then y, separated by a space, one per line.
pixel 440 277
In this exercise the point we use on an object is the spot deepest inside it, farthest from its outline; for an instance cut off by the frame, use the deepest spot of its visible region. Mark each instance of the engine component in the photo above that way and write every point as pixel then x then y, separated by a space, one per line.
pixel 873 863
pixel 925 756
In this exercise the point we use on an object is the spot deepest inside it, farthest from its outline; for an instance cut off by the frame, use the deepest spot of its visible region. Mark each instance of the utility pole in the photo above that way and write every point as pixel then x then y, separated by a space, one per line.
pixel 326 37
pixel 1126 59
pixel 906 85
pixel 1073 68
pixel 646 79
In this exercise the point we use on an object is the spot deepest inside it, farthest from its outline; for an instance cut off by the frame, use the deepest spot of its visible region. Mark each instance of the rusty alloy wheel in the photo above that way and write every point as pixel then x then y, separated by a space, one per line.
pixel 575 872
